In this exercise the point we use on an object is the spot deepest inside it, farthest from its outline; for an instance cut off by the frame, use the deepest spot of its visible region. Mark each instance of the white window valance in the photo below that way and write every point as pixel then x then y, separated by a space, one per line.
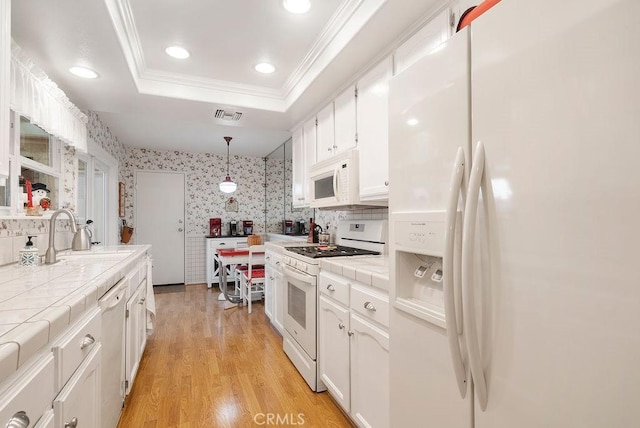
pixel 35 96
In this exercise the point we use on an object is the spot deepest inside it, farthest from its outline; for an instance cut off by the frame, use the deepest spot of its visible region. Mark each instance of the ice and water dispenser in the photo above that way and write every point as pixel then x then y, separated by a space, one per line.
pixel 419 248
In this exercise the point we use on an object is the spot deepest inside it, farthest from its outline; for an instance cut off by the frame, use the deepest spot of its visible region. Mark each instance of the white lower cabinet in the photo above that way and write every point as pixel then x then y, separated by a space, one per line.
pixel 274 290
pixel 369 373
pixel 268 294
pixel 278 301
pixel 47 420
pixel 29 396
pixel 353 348
pixel 135 332
pixel 333 340
pixel 78 404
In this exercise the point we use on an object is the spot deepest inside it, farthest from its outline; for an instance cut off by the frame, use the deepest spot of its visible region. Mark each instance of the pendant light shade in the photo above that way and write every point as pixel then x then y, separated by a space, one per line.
pixel 228 185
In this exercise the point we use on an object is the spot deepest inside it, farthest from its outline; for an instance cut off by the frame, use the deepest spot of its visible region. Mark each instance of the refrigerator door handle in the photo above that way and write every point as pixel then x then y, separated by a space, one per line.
pixel 453 323
pixel 468 300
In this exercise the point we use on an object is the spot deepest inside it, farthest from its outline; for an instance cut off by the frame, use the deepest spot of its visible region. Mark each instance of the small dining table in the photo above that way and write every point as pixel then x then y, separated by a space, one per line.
pixel 233 257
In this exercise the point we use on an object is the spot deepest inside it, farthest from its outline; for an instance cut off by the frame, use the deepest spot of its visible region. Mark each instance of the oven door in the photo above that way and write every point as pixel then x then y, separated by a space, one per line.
pixel 300 308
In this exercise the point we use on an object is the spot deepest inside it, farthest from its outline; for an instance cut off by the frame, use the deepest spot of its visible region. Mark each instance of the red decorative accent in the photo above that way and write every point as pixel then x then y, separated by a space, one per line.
pixel 27 184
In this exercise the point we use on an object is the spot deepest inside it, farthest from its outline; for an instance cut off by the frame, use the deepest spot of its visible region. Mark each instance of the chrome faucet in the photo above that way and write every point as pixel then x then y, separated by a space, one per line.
pixel 50 255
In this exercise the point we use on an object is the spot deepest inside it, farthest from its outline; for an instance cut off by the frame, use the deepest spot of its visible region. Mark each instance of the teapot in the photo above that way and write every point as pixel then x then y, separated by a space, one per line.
pixel 82 238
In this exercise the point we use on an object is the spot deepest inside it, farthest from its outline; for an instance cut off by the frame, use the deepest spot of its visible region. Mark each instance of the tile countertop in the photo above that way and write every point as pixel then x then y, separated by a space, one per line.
pixel 370 270
pixel 38 303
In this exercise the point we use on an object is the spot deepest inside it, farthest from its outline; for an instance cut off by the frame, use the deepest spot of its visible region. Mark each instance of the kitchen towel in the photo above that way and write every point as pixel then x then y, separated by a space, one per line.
pixel 151 300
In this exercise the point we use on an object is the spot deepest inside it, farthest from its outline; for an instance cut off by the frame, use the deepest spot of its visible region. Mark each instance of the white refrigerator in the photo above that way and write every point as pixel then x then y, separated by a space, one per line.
pixel 514 222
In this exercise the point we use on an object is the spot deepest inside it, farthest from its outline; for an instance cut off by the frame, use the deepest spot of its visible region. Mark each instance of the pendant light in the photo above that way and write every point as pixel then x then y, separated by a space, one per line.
pixel 228 186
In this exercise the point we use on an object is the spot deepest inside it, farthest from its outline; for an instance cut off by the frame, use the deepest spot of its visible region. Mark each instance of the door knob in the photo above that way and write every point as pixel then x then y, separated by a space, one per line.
pixel 180 229
pixel 180 221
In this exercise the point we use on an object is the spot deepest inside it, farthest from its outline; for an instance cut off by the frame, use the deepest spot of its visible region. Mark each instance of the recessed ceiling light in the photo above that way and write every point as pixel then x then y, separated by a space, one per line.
pixel 177 52
pixel 84 72
pixel 297 6
pixel 265 67
pixel 412 122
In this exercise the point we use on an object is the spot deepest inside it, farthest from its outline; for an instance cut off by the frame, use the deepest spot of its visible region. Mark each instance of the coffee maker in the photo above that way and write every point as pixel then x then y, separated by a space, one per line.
pixel 287 227
pixel 247 227
pixel 215 227
pixel 301 228
pixel 233 228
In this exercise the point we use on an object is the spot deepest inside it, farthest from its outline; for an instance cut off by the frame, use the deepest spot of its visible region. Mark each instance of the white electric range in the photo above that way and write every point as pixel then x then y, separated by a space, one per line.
pixel 301 268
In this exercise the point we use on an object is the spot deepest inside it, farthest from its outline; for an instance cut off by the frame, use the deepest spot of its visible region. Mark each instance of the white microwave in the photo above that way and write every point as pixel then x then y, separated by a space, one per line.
pixel 334 182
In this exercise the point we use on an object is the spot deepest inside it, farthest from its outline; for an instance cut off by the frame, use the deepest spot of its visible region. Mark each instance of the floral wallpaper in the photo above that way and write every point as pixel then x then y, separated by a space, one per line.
pixel 99 133
pixel 279 196
pixel 203 172
pixel 69 178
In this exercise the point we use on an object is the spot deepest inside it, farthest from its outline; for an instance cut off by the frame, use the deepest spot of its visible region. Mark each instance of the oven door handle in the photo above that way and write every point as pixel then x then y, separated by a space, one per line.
pixel 289 271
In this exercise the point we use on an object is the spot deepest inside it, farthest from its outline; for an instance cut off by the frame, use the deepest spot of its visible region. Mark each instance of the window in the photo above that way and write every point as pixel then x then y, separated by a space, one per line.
pixel 97 194
pixel 39 164
pixel 34 156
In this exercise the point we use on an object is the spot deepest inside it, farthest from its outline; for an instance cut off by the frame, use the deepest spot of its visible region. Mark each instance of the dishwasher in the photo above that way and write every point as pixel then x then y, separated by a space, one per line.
pixel 112 305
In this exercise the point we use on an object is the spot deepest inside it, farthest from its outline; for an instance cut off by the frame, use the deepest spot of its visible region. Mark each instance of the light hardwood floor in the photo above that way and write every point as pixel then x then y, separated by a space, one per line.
pixel 209 367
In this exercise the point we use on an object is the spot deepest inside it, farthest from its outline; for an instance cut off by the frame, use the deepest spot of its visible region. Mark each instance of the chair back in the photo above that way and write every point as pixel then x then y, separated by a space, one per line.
pixel 256 256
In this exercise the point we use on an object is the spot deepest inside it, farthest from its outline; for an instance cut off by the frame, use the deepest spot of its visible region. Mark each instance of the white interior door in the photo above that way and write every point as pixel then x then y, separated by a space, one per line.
pixel 159 219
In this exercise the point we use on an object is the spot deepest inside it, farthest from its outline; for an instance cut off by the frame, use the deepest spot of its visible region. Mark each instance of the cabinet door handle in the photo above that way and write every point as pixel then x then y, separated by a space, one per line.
pixel 73 423
pixel 341 326
pixel 87 341
pixel 277 263
pixel 329 149
pixel 350 333
pixel 268 258
pixel 386 183
pixel 330 287
pixel 369 306
pixel 19 420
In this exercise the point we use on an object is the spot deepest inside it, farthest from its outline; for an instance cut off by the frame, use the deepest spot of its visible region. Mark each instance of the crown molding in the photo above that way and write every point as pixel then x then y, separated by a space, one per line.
pixel 348 20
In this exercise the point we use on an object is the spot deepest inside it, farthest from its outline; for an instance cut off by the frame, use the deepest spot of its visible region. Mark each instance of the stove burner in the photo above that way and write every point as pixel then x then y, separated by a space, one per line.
pixel 318 251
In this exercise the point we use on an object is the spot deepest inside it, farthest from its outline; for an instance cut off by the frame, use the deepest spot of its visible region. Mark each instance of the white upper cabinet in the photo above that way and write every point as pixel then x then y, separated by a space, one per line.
pixel 303 152
pixel 326 136
pixel 310 141
pixel 424 41
pixel 298 173
pixel 5 67
pixel 373 131
pixel 345 120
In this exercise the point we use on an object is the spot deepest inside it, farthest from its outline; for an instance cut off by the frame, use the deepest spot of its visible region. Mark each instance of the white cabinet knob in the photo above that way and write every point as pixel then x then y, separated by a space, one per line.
pixel 341 326
pixel 73 423
pixel 330 287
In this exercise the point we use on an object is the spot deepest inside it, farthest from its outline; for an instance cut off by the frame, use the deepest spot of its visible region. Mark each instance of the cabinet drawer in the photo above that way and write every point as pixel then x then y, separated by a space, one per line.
pixel 31 395
pixel 74 346
pixel 334 286
pixel 272 259
pixel 370 303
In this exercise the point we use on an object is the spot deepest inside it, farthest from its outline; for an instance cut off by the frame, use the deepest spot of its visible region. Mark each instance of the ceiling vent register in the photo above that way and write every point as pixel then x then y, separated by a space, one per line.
pixel 225 115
